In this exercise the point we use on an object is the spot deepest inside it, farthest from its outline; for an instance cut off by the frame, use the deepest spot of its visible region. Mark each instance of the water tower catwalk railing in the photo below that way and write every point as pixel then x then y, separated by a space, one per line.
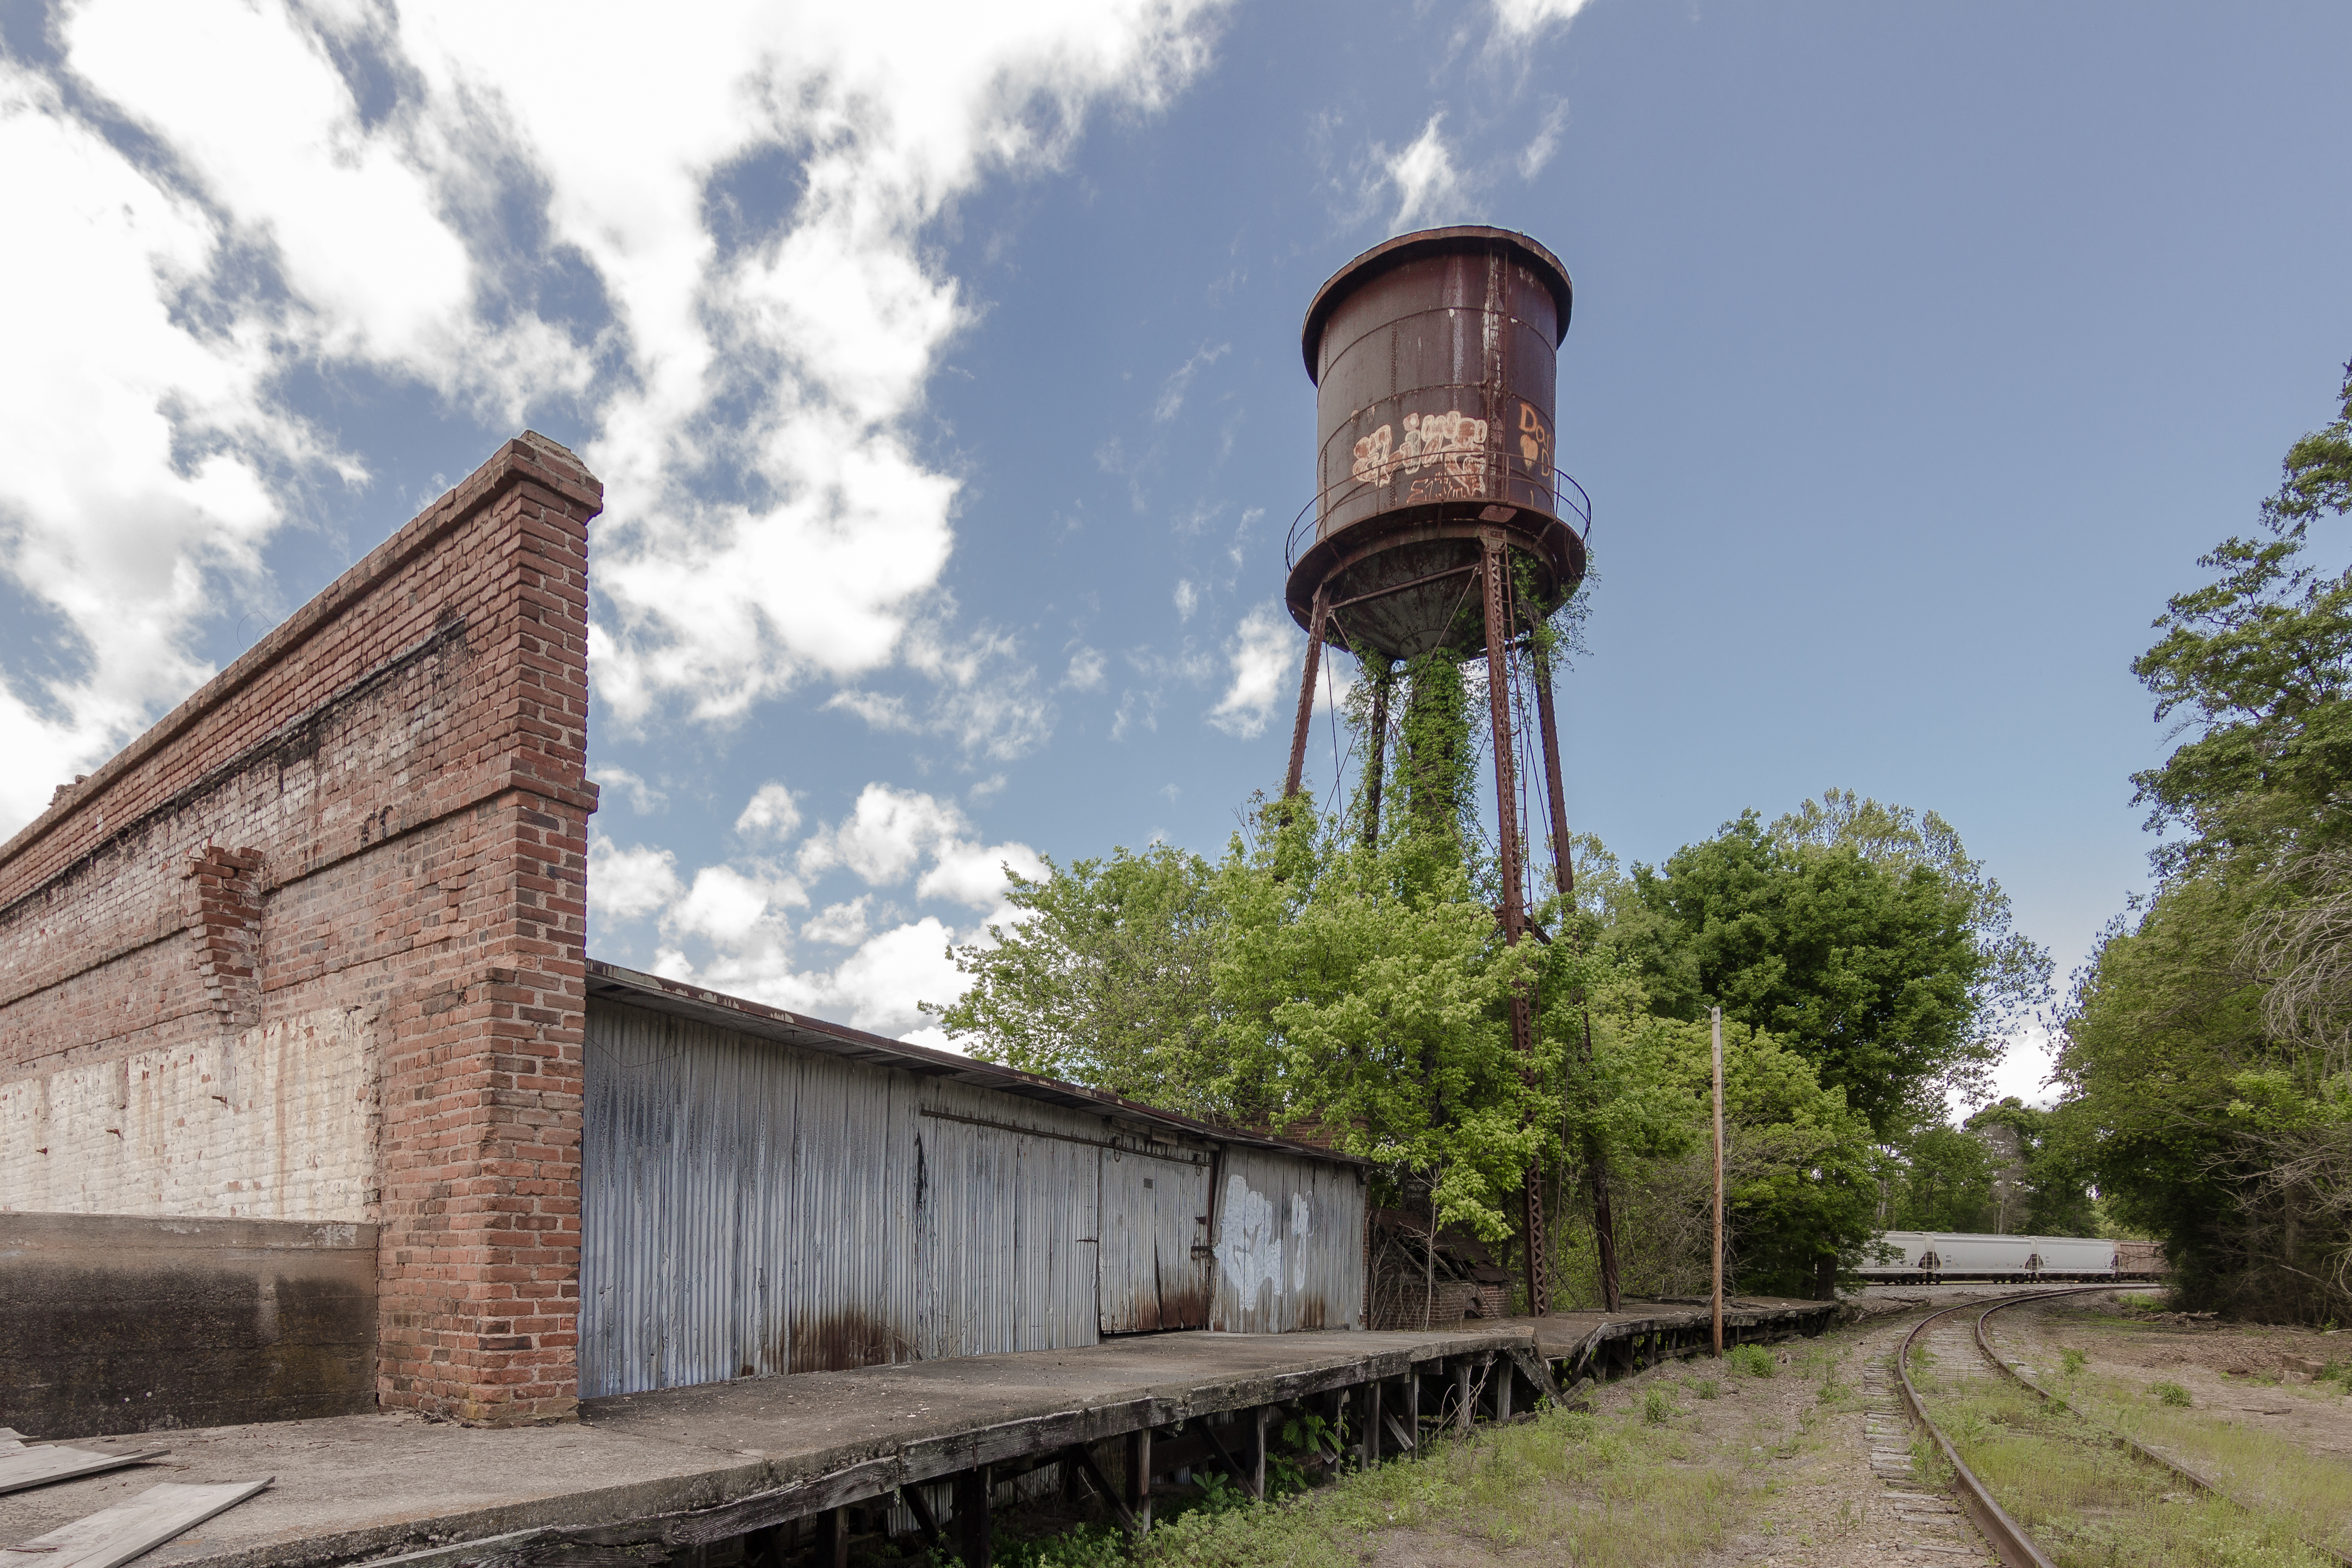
pixel 1441 527
pixel 1568 501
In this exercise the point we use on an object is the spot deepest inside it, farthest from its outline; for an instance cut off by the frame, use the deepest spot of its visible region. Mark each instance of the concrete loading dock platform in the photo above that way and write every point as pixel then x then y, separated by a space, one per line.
pixel 789 1467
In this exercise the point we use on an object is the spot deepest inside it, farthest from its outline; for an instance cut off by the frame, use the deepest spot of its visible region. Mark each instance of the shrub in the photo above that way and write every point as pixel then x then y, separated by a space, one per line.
pixel 1753 1360
pixel 2170 1392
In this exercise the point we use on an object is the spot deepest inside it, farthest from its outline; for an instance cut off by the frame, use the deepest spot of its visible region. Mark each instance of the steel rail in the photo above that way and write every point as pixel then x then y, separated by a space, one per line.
pixel 2010 1541
pixel 2164 1461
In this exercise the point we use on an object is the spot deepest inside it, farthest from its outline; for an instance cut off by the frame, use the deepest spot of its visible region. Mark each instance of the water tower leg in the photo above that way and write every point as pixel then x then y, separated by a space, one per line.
pixel 1305 699
pixel 1377 762
pixel 1563 866
pixel 1493 573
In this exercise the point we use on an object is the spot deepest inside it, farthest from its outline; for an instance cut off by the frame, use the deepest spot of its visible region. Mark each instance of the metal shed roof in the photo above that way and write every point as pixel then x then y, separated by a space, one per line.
pixel 611 983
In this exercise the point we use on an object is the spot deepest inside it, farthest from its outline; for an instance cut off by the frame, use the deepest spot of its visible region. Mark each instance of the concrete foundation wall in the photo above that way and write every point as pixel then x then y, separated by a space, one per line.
pixel 115 1323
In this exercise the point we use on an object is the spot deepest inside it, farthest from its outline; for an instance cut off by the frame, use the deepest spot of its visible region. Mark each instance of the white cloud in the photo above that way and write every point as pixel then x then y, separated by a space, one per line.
pixel 884 835
pixel 1524 18
pixel 823 332
pixel 838 925
pixel 880 983
pixel 771 813
pixel 1135 708
pixel 1538 151
pixel 736 911
pixel 125 546
pixel 1086 671
pixel 1259 656
pixel 260 224
pixel 987 697
pixel 629 884
pixel 1427 182
pixel 880 711
pixel 1187 598
pixel 644 799
pixel 1172 393
pixel 975 876
pixel 726 906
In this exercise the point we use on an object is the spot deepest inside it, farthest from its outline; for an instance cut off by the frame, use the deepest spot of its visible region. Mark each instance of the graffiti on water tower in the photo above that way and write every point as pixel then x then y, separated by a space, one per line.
pixel 1447 452
pixel 1452 447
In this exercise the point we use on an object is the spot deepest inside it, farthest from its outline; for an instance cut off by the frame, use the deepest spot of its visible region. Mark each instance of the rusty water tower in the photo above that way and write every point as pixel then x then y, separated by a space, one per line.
pixel 1441 522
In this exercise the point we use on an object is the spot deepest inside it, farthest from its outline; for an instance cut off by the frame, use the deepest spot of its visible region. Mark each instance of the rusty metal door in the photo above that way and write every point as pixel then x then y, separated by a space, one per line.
pixel 1154 1269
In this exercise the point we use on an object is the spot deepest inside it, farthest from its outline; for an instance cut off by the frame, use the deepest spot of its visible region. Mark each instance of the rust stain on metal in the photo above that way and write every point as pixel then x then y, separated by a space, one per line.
pixel 844 1339
pixel 1435 364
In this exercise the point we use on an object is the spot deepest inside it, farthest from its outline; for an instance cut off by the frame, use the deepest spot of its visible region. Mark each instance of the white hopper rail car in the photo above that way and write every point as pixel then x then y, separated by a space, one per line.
pixel 1918 1258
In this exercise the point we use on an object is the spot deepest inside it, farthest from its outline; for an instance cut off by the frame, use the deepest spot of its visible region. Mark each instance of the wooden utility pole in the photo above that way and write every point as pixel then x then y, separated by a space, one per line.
pixel 1717 1020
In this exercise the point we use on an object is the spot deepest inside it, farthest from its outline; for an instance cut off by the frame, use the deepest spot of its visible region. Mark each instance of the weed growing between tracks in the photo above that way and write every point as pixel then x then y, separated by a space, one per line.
pixel 2270 1470
pixel 2084 1500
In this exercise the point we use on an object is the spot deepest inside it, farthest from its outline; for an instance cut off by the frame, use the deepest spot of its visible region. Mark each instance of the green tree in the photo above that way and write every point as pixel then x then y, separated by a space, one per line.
pixel 1104 978
pixel 1365 993
pixel 2161 1024
pixel 2056 1189
pixel 1945 1182
pixel 1799 1187
pixel 1886 962
pixel 2207 1052
pixel 2253 665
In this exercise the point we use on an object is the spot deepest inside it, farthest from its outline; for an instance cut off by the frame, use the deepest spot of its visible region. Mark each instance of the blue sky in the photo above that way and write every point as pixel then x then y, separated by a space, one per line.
pixel 944 375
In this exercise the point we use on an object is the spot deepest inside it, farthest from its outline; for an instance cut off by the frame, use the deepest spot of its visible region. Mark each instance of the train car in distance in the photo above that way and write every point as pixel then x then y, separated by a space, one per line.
pixel 1928 1258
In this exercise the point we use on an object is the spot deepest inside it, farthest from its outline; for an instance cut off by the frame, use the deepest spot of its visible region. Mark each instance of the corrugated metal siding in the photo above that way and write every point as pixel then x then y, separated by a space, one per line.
pixel 1153 1211
pixel 750 1209
pixel 1290 1245
pixel 686 1202
pixel 1006 1238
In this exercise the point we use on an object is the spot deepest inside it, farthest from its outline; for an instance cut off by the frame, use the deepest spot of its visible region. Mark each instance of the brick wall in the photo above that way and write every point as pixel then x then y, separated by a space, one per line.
pixel 375 820
pixel 280 1121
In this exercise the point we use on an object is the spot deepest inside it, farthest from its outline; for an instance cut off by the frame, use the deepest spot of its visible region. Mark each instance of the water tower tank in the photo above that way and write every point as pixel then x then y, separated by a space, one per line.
pixel 1433 357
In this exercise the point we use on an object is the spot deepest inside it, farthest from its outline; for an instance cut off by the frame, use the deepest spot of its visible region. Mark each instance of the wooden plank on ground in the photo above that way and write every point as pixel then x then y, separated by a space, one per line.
pixel 115 1535
pixel 22 1465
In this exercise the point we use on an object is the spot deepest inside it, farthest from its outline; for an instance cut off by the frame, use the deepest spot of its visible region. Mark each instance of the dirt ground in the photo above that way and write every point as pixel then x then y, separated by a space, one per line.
pixel 1819 1467
pixel 2260 1376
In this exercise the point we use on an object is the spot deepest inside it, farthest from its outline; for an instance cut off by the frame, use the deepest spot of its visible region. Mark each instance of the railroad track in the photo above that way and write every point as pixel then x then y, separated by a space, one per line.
pixel 1951 1338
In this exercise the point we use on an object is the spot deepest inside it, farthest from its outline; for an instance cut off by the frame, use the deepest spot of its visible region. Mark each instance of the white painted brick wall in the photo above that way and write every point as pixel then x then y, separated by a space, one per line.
pixel 278 1122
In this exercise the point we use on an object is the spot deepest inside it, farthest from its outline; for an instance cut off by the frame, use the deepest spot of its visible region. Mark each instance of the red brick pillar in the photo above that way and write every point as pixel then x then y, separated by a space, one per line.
pixel 481 1039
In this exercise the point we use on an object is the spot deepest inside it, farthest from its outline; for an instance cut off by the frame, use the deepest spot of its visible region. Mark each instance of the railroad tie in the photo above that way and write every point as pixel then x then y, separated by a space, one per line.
pixel 1929 1527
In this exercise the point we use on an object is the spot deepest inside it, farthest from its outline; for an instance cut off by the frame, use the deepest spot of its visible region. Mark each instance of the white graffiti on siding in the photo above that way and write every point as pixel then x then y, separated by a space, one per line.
pixel 1299 1228
pixel 1452 443
pixel 1249 1247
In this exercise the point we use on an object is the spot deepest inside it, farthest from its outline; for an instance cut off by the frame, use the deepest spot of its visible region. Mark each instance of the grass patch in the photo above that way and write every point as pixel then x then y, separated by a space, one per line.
pixel 2170 1394
pixel 1596 1491
pixel 2269 1468
pixel 2089 1502
pixel 1753 1360
pixel 1707 1388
